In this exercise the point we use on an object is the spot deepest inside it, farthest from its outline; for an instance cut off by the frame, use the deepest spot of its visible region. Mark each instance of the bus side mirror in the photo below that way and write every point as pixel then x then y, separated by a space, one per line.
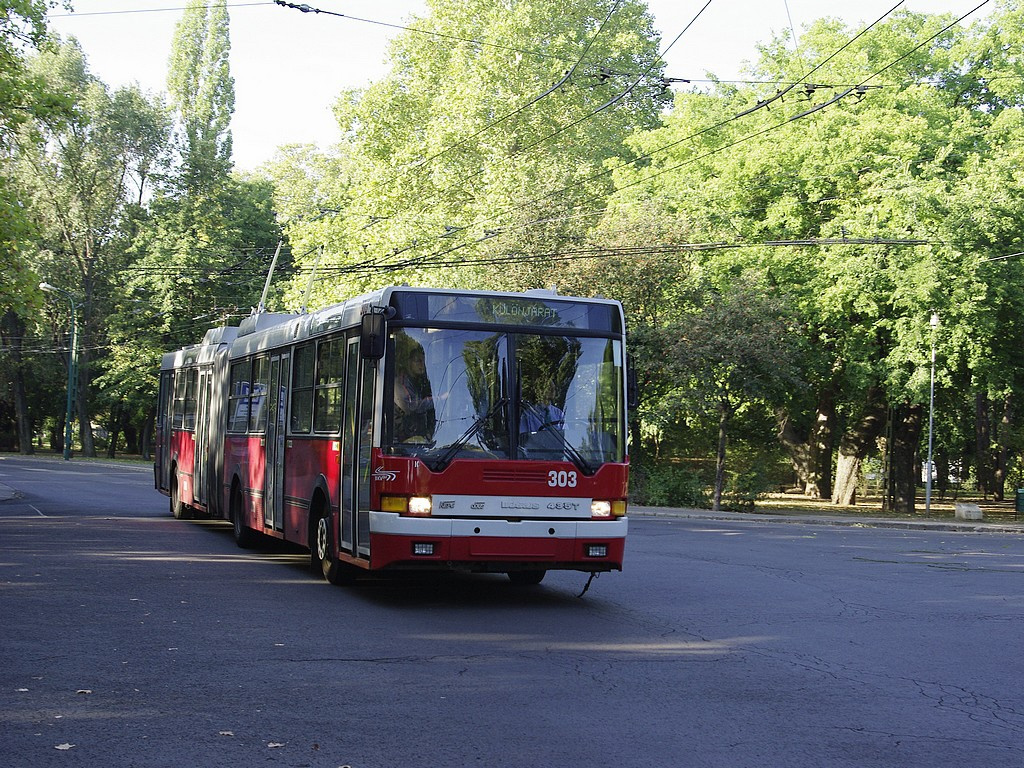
pixel 632 388
pixel 373 335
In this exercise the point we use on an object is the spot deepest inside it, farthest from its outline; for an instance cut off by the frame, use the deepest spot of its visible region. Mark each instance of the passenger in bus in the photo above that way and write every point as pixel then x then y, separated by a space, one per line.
pixel 414 401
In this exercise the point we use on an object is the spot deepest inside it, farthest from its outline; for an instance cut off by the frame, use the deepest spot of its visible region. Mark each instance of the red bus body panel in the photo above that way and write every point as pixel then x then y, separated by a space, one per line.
pixel 548 539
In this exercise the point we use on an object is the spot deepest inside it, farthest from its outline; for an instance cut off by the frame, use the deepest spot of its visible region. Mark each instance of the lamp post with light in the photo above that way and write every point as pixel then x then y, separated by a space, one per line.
pixel 931 422
pixel 72 363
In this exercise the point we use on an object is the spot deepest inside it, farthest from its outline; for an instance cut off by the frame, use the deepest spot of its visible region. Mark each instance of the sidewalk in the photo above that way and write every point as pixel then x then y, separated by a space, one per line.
pixel 852 521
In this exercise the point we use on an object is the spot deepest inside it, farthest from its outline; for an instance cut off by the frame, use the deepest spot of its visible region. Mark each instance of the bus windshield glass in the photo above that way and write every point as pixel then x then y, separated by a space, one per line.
pixel 454 393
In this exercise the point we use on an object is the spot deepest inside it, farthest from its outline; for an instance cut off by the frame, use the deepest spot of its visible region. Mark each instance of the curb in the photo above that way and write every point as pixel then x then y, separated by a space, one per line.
pixel 832 520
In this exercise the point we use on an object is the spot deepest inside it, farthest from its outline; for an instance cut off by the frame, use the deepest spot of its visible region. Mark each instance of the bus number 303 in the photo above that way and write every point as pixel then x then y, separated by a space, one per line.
pixel 561 479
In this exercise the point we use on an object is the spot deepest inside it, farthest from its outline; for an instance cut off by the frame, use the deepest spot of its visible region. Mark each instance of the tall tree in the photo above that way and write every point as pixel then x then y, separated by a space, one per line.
pixel 82 184
pixel 491 126
pixel 202 95
pixel 865 173
pixel 211 234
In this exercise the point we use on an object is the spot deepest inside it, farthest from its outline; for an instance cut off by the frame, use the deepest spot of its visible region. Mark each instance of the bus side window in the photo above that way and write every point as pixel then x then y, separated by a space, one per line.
pixel 302 390
pixel 178 406
pixel 191 399
pixel 330 378
pixel 238 413
pixel 258 401
pixel 164 398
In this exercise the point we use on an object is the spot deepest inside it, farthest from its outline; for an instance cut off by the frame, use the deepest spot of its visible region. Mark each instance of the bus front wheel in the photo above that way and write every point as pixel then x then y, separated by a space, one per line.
pixel 321 559
pixel 526 578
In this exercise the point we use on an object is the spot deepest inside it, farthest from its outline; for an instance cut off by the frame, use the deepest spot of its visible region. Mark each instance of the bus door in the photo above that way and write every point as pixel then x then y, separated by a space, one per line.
pixel 356 442
pixel 277 401
pixel 349 502
pixel 163 440
pixel 200 461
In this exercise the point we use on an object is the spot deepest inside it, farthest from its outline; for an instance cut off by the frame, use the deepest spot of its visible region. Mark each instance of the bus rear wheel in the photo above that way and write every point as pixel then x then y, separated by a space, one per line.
pixel 178 509
pixel 526 578
pixel 245 537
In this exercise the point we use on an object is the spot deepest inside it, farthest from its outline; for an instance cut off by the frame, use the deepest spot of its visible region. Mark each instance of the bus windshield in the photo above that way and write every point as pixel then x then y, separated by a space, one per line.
pixel 453 393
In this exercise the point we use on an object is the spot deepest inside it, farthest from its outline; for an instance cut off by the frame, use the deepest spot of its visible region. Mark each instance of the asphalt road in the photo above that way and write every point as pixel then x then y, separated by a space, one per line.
pixel 132 639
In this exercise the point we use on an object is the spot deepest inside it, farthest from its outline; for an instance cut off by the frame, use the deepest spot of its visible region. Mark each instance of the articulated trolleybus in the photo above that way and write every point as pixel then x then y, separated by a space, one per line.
pixel 409 429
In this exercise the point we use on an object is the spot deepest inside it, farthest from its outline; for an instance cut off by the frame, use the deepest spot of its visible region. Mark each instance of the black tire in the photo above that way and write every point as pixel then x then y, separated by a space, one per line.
pixel 321 556
pixel 178 510
pixel 245 537
pixel 526 578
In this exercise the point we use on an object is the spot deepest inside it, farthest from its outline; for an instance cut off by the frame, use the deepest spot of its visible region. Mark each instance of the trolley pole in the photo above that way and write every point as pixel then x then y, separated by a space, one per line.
pixel 72 364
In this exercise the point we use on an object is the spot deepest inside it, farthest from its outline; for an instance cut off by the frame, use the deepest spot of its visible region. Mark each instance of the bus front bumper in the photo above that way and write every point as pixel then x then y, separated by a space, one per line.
pixel 496 545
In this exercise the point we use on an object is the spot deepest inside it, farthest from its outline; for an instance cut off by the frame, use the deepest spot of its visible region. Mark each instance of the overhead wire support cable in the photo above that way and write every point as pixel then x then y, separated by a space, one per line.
pixel 497 121
pixel 305 8
pixel 74 14
pixel 611 102
pixel 760 105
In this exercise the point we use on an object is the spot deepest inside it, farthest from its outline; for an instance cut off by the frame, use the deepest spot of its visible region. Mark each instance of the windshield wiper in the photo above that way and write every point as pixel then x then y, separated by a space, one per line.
pixel 547 425
pixel 455 447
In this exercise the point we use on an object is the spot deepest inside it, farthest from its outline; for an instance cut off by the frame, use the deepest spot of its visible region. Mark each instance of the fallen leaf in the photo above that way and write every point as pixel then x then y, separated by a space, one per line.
pixel 226 733
pixel 84 690
pixel 275 744
pixel 22 690
pixel 64 746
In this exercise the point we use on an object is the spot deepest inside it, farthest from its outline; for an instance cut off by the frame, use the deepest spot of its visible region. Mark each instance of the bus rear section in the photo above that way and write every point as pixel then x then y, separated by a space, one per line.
pixel 188 462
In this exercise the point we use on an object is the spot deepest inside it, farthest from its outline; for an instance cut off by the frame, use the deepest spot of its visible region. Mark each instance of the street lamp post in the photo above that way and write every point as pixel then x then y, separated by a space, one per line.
pixel 931 422
pixel 72 364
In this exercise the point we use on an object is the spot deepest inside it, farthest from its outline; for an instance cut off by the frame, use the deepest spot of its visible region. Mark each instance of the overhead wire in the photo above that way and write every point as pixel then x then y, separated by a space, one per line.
pixel 520 109
pixel 306 8
pixel 760 105
pixel 597 110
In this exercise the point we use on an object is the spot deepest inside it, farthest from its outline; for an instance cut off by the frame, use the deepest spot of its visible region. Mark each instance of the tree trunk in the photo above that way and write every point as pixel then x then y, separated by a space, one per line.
pixel 12 330
pixel 114 429
pixel 982 441
pixel 903 464
pixel 811 454
pixel 146 441
pixel 724 411
pixel 82 406
pixel 1002 454
pixel 855 445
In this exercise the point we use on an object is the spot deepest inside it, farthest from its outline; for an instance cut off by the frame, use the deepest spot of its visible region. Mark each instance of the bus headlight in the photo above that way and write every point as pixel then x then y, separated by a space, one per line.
pixel 419 505
pixel 406 505
pixel 603 509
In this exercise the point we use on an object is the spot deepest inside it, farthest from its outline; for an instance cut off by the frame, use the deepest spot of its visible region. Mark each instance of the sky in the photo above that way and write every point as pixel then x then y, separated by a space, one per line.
pixel 290 66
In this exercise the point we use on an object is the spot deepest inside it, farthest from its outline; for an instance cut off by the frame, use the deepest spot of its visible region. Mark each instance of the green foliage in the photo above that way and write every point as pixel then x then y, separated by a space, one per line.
pixel 668 485
pixel 467 151
pixel 202 94
pixel 541 154
pixel 756 474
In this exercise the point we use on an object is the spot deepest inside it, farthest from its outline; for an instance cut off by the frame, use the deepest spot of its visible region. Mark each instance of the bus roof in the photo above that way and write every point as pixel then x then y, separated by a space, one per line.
pixel 539 307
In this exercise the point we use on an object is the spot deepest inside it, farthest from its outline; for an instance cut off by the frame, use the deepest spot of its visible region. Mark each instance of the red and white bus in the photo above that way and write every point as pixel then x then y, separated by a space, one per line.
pixel 409 429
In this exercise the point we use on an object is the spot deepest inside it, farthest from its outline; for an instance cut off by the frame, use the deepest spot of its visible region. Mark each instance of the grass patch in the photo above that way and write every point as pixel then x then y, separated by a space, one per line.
pixel 942 509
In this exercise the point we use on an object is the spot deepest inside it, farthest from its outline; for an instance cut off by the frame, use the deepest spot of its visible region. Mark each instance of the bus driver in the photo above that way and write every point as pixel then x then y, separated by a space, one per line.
pixel 414 403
